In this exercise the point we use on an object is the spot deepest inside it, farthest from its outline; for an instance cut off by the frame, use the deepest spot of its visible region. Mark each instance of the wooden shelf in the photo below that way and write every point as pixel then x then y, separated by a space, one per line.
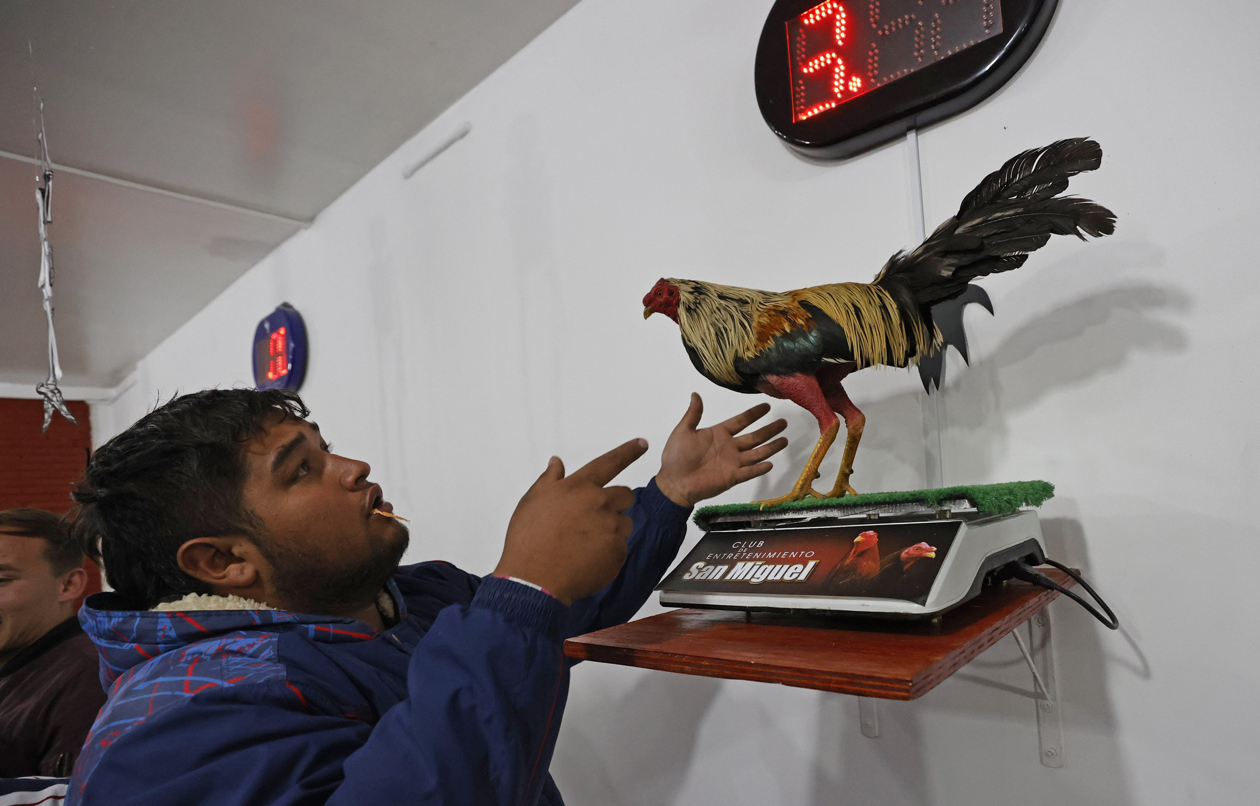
pixel 893 660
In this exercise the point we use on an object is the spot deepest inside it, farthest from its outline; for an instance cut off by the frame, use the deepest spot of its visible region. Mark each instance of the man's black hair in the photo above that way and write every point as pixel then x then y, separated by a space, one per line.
pixel 60 549
pixel 176 474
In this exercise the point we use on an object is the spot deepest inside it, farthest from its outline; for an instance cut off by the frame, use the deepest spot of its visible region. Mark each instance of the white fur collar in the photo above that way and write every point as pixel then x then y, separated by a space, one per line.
pixel 208 601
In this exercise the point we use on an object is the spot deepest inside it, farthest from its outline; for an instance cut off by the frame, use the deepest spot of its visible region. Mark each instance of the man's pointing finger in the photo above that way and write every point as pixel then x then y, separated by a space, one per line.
pixel 603 469
pixel 554 471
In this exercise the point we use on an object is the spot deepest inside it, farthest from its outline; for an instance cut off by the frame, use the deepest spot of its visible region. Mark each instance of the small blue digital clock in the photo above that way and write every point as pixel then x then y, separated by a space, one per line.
pixel 280 350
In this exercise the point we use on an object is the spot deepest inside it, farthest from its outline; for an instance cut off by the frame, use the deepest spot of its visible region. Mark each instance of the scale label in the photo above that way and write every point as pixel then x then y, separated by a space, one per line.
pixel 882 561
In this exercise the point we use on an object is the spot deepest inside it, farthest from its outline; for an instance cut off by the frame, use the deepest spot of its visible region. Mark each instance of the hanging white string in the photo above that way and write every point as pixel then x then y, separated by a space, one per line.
pixel 48 390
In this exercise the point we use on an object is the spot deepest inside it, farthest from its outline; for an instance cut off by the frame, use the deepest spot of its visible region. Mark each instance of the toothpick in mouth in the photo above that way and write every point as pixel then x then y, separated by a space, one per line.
pixel 390 515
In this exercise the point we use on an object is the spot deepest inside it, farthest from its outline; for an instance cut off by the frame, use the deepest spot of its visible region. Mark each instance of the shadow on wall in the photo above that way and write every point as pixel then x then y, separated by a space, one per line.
pixel 890 770
pixel 1065 347
pixel 650 733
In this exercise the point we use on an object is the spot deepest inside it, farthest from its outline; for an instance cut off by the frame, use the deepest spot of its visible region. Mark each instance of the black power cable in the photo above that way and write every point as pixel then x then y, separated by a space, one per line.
pixel 1024 571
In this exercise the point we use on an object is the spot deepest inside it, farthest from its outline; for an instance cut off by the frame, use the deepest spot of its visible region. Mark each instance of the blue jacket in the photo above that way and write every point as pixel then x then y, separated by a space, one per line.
pixel 458 703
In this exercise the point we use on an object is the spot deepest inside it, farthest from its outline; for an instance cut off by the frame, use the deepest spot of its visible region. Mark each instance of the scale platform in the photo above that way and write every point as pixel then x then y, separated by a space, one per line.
pixel 914 558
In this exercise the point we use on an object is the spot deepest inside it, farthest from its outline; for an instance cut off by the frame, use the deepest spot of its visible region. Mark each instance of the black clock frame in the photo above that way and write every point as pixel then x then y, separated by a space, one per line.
pixel 926 96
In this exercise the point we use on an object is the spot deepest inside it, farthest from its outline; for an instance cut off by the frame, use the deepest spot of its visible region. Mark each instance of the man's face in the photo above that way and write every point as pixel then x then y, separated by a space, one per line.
pixel 325 546
pixel 30 603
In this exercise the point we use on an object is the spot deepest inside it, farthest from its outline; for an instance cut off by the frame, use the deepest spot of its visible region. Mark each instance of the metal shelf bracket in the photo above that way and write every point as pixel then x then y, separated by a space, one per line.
pixel 868 716
pixel 1039 655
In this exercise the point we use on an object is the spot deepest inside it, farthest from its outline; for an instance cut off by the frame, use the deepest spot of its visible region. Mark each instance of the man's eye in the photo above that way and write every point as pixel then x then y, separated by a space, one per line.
pixel 302 470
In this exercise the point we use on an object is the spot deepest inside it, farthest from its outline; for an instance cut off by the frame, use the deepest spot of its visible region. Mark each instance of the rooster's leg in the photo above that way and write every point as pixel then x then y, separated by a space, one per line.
pixel 805 392
pixel 854 421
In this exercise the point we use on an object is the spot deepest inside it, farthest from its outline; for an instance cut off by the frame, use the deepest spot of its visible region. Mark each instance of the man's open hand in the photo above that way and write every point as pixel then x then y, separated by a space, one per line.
pixel 699 464
pixel 568 535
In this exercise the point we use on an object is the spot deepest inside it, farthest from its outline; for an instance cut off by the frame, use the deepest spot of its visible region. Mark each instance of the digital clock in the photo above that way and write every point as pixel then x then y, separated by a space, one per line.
pixel 280 350
pixel 837 77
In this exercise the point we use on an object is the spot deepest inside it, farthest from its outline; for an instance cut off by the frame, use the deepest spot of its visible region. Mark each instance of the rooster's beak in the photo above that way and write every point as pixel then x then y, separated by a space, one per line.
pixel 647 312
pixel 931 555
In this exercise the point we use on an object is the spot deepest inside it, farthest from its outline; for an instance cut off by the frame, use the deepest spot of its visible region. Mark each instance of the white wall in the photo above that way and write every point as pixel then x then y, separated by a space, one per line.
pixel 472 320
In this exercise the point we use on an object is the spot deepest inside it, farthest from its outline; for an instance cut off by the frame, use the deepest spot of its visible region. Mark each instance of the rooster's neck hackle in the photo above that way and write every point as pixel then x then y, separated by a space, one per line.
pixel 717 321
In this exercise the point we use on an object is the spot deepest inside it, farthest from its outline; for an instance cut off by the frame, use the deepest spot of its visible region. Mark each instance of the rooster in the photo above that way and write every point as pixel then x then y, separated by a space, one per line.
pixel 908 557
pixel 919 551
pixel 800 345
pixel 862 561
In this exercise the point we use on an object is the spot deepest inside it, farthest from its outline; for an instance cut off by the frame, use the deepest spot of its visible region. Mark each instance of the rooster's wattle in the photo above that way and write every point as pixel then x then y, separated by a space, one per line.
pixel 799 345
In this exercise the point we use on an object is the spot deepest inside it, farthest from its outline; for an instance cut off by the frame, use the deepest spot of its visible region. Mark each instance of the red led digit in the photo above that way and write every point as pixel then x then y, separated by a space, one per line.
pixel 282 354
pixel 934 34
pixel 988 14
pixel 818 69
pixel 888 29
pixel 277 348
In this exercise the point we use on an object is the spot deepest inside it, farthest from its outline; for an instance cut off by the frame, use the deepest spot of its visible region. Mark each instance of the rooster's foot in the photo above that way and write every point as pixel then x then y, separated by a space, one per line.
pixel 797 494
pixel 842 487
pixel 840 491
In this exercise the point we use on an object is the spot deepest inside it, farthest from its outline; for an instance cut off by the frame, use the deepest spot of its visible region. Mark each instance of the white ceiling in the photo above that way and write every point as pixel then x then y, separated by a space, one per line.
pixel 276 106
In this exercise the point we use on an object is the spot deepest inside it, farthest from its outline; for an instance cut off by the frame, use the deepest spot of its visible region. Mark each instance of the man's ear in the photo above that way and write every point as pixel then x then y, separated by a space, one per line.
pixel 224 563
pixel 72 585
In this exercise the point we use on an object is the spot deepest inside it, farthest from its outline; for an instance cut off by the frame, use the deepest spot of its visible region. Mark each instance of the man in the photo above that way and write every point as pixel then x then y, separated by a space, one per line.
pixel 264 647
pixel 49 688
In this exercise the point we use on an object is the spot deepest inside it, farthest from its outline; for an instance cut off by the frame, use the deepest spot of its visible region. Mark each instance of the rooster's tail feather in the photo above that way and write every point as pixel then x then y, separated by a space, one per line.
pixel 1012 212
pixel 947 316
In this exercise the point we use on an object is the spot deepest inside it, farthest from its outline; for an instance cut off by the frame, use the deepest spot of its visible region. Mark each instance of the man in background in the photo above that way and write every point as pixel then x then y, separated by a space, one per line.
pixel 50 690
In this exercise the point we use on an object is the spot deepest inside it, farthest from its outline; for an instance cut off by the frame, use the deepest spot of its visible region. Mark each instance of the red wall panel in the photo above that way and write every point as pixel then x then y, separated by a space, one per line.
pixel 37 469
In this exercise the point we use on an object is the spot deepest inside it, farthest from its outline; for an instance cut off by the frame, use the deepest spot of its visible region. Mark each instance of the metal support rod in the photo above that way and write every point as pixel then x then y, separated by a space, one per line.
pixel 933 454
pixel 161 191
pixel 868 714
pixel 918 219
pixel 1032 667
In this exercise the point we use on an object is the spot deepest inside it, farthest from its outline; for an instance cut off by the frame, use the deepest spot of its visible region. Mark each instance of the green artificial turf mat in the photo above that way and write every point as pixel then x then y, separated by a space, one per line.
pixel 989 499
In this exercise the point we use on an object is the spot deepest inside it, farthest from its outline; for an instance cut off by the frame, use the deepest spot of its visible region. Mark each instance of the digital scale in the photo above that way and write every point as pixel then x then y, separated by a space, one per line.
pixel 906 560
